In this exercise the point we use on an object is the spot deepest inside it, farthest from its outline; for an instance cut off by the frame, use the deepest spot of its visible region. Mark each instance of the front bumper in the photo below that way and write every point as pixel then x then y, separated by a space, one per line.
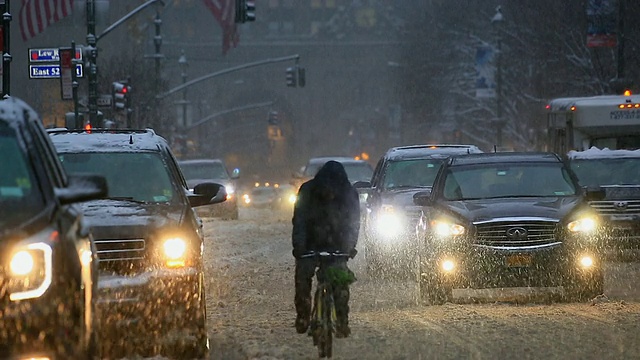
pixel 479 266
pixel 151 298
pixel 34 328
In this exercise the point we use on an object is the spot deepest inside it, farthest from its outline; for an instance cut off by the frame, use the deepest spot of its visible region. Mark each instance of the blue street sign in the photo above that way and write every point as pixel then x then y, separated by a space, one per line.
pixel 50 71
pixel 49 55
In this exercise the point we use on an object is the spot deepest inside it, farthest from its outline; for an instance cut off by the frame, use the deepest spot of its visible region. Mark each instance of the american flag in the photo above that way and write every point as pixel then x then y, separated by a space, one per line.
pixel 224 12
pixel 36 15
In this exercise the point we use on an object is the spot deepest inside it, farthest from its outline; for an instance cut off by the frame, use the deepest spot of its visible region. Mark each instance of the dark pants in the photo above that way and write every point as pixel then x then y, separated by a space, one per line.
pixel 305 270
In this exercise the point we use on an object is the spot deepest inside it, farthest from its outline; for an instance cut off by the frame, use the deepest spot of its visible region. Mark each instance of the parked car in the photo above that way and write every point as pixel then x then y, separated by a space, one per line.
pixel 149 239
pixel 617 172
pixel 508 220
pixel 214 170
pixel 48 267
pixel 390 215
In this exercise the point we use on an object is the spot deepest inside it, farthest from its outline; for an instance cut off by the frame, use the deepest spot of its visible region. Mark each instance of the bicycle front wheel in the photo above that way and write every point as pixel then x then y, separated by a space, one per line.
pixel 325 340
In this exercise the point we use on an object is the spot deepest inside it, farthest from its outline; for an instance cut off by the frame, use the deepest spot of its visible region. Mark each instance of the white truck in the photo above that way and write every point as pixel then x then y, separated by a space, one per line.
pixel 606 121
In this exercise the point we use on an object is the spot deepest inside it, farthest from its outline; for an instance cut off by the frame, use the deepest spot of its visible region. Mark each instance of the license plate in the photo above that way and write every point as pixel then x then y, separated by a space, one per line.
pixel 518 260
pixel 622 218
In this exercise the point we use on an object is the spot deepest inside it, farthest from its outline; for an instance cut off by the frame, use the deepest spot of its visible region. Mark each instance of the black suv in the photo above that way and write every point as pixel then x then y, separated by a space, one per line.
pixel 390 217
pixel 149 239
pixel 508 220
pixel 617 173
pixel 47 261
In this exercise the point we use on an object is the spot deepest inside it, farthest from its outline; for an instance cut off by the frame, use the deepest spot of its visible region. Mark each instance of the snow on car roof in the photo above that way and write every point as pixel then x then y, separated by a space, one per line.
pixel 604 153
pixel 14 110
pixel 504 157
pixel 430 150
pixel 105 140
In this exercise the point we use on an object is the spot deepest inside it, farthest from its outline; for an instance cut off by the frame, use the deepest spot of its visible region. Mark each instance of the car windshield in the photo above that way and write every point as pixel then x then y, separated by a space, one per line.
pixel 411 173
pixel 20 196
pixel 598 172
pixel 507 180
pixel 204 171
pixel 137 176
pixel 356 171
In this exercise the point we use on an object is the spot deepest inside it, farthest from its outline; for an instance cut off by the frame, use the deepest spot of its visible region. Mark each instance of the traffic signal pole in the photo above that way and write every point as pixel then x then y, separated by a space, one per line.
pixel 92 42
pixel 227 71
pixel 6 53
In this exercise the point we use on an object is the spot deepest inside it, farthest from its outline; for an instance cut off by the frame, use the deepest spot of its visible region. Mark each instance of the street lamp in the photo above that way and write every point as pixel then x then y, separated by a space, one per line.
pixel 496 21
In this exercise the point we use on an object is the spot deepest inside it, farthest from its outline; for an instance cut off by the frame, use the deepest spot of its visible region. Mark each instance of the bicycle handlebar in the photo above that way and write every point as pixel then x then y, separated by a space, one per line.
pixel 324 254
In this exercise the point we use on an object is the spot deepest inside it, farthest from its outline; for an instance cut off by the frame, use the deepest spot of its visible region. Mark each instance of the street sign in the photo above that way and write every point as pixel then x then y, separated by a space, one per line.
pixel 49 55
pixel 50 71
pixel 104 100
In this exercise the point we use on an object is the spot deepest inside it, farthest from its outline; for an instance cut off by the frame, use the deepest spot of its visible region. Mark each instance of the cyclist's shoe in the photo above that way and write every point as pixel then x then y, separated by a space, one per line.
pixel 342 331
pixel 302 324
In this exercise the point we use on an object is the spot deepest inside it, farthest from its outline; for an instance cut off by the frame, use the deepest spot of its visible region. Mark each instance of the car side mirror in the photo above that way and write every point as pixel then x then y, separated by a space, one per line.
pixel 422 198
pixel 595 193
pixel 362 184
pixel 235 173
pixel 207 193
pixel 82 187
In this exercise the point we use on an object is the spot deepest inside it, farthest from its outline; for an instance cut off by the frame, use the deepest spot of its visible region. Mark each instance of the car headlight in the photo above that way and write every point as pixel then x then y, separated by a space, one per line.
pixel 230 189
pixel 389 222
pixel 30 271
pixel 293 198
pixel 246 198
pixel 445 228
pixel 584 225
pixel 175 250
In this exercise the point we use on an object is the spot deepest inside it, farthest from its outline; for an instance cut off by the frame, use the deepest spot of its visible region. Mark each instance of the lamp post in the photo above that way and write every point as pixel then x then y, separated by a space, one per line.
pixel 496 21
pixel 182 61
pixel 182 126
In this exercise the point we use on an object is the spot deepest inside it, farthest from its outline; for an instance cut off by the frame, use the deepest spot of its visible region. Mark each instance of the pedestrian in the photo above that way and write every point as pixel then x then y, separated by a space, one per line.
pixel 326 217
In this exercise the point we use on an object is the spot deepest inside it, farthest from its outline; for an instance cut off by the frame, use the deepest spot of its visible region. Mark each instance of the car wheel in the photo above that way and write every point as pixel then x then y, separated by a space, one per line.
pixel 431 289
pixel 197 319
pixel 583 288
pixel 234 214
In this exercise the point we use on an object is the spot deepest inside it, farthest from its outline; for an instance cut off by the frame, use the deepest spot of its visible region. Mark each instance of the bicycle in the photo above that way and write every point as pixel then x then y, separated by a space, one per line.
pixel 323 313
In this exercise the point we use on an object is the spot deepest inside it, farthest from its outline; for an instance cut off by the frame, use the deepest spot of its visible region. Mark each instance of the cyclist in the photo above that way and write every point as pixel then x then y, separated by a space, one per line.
pixel 326 217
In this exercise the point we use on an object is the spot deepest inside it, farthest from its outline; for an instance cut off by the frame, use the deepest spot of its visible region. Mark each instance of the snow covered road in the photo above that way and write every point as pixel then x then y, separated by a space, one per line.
pixel 250 302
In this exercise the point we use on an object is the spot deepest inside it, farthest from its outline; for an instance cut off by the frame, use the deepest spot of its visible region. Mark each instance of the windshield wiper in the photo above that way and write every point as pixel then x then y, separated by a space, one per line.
pixel 126 198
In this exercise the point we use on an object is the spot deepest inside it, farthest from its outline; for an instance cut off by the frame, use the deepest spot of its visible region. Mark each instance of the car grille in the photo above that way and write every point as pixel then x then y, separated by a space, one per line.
pixel 536 233
pixel 631 207
pixel 120 251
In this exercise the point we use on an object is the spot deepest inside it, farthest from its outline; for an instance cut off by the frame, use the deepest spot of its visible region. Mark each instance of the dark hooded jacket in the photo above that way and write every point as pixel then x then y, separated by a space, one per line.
pixel 326 216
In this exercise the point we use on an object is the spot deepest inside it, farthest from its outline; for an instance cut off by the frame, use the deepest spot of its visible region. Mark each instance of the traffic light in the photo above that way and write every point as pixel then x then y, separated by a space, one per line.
pixel 292 76
pixel 121 93
pixel 245 11
pixel 273 118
